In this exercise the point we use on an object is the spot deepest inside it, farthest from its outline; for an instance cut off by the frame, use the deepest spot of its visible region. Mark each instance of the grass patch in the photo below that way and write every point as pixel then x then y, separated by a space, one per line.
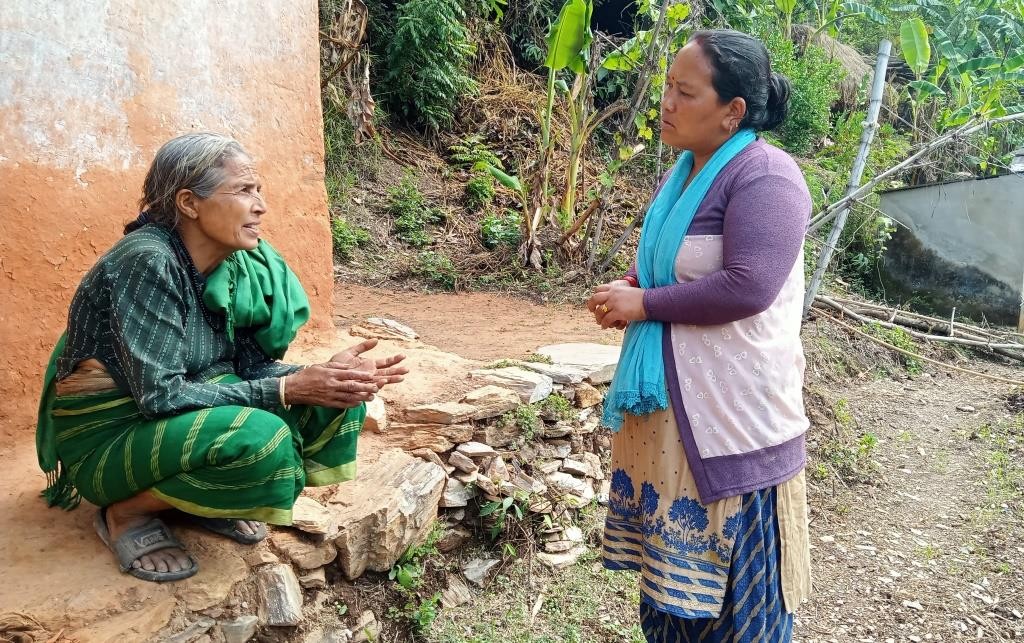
pixel 524 419
pixel 436 268
pixel 409 209
pixel 583 603
pixel 346 237
pixel 900 339
pixel 556 407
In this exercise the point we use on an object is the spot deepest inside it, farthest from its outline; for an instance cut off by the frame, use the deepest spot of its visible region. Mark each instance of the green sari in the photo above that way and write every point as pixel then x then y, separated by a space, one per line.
pixel 227 461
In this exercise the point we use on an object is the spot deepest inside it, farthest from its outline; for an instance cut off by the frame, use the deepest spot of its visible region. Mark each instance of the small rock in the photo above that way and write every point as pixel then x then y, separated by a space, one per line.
pixel 462 462
pixel 555 450
pixel 476 570
pixel 557 431
pixel 280 595
pixel 589 426
pixel 366 629
pixel 191 633
pixel 456 494
pixel 376 416
pixel 441 413
pixel 259 555
pixel 573 534
pixel 310 516
pixel 300 551
pixel 429 456
pixel 527 483
pixel 239 630
pixel 456 593
pixel 497 469
pixel 328 634
pixel 966 408
pixel 499 434
pixel 476 450
pixel 540 505
pixel 530 386
pixel 604 493
pixel 316 579
pixel 563 559
pixel 452 539
pixel 914 605
pixel 486 485
pixel 380 328
pixel 587 396
pixel 557 546
pixel 564 483
pixel 596 468
pixel 545 468
pixel 491 401
pixel 827 539
pixel 577 468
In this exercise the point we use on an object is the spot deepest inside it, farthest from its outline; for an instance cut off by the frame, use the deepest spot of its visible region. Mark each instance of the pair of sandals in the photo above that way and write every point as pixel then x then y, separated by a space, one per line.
pixel 154 535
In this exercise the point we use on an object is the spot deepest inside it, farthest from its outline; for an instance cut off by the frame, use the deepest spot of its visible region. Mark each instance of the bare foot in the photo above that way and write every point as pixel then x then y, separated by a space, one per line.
pixel 122 516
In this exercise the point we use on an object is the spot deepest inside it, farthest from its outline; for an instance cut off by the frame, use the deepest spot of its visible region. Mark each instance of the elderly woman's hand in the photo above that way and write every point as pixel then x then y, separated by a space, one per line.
pixel 617 303
pixel 384 370
pixel 323 385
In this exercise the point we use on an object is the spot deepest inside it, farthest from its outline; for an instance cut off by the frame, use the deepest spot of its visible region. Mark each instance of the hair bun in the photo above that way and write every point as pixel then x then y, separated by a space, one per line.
pixel 777 106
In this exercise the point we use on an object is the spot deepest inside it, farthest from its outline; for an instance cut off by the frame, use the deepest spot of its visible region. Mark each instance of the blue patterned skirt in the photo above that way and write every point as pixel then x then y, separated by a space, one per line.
pixel 709 573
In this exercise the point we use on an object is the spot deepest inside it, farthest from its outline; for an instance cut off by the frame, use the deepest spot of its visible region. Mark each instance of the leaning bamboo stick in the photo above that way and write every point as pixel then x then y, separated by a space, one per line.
pixel 958 325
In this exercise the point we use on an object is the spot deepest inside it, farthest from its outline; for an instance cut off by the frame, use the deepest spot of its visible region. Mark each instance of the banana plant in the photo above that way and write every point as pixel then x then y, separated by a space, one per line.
pixel 917 53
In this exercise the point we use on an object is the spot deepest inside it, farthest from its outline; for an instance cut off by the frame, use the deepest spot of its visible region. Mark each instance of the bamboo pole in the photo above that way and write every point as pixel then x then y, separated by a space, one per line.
pixel 866 136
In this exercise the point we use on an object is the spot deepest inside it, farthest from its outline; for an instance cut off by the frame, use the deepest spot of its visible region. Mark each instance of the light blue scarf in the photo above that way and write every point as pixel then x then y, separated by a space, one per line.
pixel 638 387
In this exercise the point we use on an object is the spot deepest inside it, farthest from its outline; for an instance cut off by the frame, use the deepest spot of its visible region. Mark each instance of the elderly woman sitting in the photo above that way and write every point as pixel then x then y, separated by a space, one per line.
pixel 166 393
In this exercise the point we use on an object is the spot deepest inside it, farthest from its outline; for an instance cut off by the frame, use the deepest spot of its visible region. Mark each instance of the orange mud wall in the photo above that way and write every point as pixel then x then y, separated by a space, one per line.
pixel 88 92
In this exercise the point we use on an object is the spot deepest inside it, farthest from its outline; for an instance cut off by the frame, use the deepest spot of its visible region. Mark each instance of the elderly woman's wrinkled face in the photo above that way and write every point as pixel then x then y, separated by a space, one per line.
pixel 693 117
pixel 231 216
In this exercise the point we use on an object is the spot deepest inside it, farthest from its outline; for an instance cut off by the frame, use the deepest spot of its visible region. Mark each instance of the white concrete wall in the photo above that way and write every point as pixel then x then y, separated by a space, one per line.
pixel 976 223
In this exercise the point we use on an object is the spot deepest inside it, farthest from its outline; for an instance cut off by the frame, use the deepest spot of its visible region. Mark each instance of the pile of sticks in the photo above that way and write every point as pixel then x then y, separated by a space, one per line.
pixel 931 329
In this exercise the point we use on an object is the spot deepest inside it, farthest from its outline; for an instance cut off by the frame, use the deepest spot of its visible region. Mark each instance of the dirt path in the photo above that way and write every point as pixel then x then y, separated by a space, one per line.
pixel 481 326
pixel 919 539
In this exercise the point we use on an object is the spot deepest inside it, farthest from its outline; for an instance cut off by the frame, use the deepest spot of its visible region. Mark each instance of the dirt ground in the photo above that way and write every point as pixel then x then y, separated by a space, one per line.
pixel 916 489
pixel 476 325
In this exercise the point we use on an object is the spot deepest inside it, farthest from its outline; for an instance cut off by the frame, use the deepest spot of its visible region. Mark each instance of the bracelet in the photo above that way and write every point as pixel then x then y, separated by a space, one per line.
pixel 633 281
pixel 280 394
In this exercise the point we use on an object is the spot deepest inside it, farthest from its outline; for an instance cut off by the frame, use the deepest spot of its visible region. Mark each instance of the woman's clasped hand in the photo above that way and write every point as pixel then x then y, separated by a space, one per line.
pixel 346 380
pixel 617 303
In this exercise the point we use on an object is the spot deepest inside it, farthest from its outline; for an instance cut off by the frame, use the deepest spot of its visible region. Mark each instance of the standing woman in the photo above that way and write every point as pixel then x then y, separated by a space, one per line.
pixel 708 499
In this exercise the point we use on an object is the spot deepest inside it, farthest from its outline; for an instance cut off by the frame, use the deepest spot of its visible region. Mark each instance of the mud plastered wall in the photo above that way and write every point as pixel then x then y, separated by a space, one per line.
pixel 88 92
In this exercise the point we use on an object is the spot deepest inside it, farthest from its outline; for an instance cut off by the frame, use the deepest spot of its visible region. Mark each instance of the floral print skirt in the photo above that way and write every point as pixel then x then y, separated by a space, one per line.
pixel 726 571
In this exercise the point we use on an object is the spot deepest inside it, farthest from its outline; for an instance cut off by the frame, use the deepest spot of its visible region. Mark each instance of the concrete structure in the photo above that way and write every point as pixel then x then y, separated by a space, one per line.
pixel 88 91
pixel 962 245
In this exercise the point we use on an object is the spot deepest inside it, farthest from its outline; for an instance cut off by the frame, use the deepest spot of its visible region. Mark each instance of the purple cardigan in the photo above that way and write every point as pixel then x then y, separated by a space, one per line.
pixel 760 205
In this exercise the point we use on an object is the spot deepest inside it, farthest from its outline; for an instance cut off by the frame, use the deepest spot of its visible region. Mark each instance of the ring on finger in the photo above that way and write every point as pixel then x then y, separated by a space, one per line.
pixel 602 308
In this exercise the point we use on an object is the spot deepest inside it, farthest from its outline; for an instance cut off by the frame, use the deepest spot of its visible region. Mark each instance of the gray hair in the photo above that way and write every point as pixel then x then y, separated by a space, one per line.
pixel 189 162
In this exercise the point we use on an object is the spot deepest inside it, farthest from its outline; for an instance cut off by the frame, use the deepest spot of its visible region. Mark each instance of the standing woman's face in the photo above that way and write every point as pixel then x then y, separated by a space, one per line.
pixel 693 117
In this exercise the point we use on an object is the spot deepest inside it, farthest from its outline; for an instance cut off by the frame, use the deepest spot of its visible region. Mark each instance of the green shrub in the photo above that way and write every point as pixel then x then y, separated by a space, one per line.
pixel 437 268
pixel 473 154
pixel 813 77
pixel 557 407
pixel 479 192
pixel 347 237
pixel 523 418
pixel 501 230
pixel 427 62
pixel 411 213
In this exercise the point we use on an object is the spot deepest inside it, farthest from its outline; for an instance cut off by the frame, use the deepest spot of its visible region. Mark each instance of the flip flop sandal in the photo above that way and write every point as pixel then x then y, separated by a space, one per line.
pixel 228 527
pixel 136 542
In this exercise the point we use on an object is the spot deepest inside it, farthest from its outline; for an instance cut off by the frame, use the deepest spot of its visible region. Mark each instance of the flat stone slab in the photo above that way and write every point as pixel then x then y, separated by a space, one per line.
pixel 531 387
pixel 597 361
pixel 436 437
pixel 441 413
pixel 491 401
pixel 381 328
